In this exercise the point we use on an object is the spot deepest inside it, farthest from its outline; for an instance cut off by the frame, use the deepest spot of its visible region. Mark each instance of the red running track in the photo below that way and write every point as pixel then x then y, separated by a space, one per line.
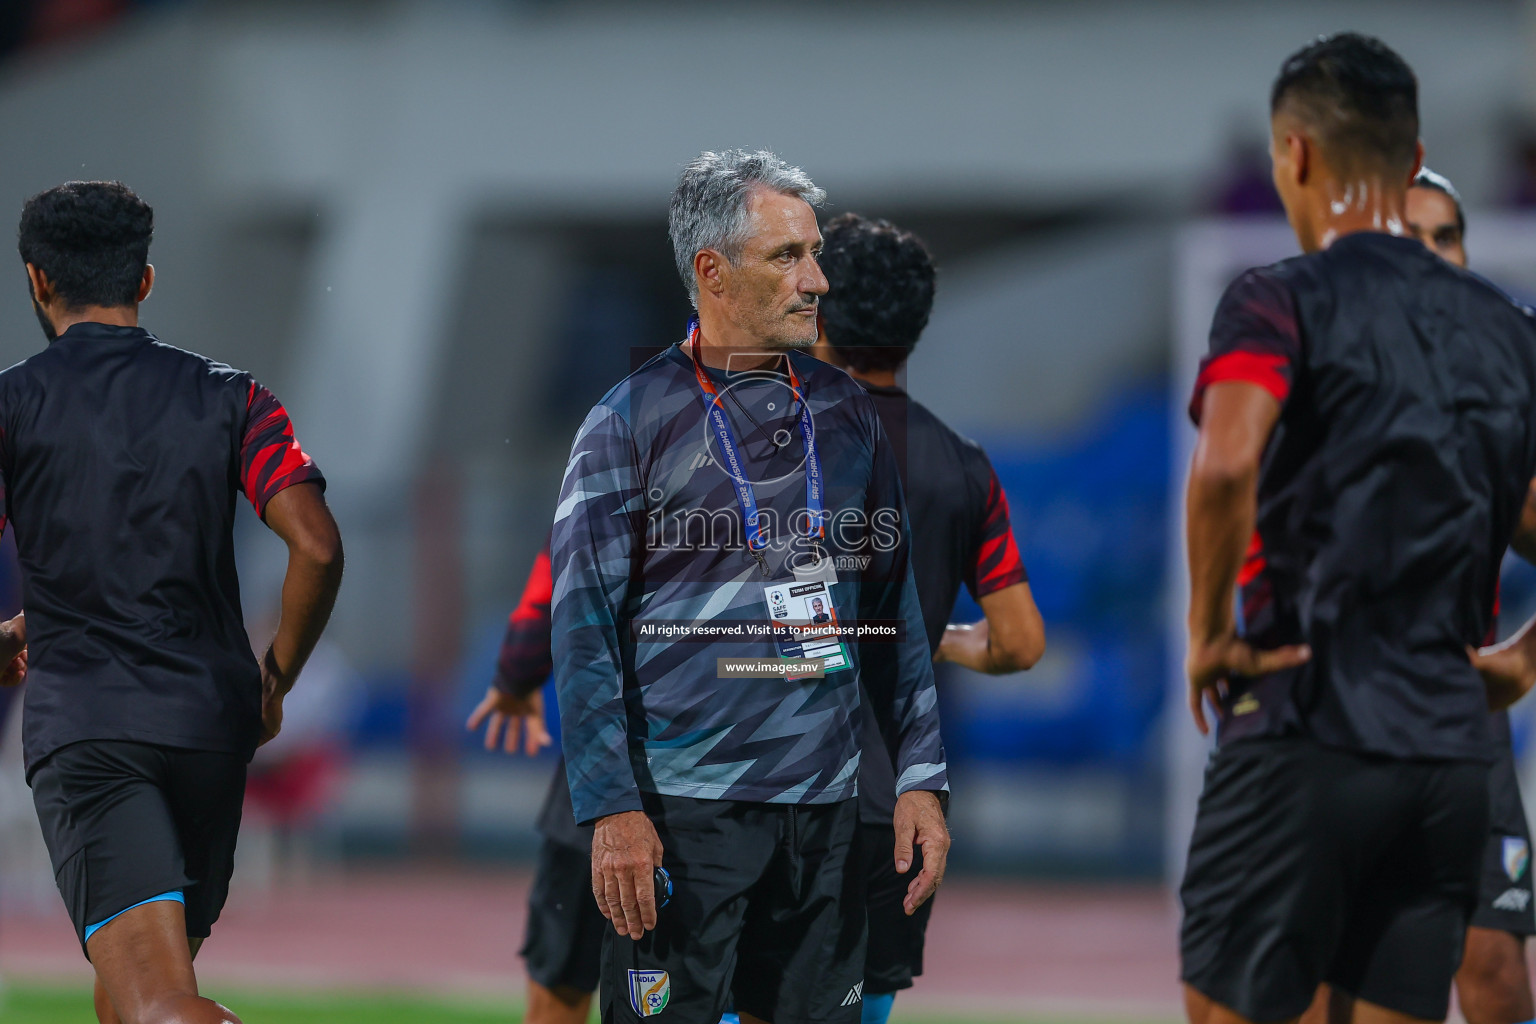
pixel 993 948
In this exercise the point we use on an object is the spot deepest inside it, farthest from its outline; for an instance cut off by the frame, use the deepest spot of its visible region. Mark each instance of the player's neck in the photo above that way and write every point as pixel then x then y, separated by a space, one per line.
pixel 824 351
pixel 112 316
pixel 1356 205
pixel 876 378
pixel 724 346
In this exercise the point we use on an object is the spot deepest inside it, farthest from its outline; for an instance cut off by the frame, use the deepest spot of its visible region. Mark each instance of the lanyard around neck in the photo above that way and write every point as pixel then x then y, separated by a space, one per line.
pixel 730 453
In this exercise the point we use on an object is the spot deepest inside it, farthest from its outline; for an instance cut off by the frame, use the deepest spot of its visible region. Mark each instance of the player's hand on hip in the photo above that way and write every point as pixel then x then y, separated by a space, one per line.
pixel 626 851
pixel 274 687
pixel 1210 664
pixel 520 716
pixel 919 820
pixel 1507 671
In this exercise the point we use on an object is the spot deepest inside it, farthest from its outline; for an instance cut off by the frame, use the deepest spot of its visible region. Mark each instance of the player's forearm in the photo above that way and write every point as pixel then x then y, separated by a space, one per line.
pixel 525 660
pixel 1010 639
pixel 1221 507
pixel 309 593
pixel 1524 540
pixel 967 644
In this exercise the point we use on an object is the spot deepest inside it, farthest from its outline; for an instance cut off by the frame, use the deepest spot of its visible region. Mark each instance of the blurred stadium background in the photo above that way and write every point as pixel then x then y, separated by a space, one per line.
pixel 437 230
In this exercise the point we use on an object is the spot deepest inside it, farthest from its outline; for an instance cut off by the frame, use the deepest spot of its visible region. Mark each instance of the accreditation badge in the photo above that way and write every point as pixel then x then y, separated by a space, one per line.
pixel 805 621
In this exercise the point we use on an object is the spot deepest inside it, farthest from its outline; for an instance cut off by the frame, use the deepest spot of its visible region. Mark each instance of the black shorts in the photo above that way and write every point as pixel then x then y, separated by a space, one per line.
pixel 1504 897
pixel 895 953
pixel 1311 864
pixel 126 822
pixel 767 905
pixel 563 944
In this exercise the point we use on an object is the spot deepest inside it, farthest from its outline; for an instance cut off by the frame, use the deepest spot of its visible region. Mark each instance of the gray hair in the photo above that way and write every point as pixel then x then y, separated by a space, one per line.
pixel 709 205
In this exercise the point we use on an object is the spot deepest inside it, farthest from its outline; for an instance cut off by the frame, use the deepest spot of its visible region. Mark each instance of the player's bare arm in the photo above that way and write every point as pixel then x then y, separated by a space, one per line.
pixel 299 516
pixel 626 851
pixel 1509 668
pixel 1011 637
pixel 1222 504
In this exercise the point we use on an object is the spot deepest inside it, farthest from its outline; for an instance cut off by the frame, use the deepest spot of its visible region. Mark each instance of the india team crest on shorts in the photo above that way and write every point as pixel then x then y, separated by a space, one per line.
pixel 649 992
pixel 1517 857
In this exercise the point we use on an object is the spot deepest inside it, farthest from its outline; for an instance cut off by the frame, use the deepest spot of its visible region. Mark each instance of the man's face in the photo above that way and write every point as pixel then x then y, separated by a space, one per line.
pixel 1432 220
pixel 772 289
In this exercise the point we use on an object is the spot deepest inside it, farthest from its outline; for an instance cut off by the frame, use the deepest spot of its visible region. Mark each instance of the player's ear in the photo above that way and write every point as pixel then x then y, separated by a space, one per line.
pixel 147 285
pixel 42 288
pixel 1418 161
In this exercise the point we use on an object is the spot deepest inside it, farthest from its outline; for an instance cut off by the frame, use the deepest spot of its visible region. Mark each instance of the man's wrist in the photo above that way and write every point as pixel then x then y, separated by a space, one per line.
pixel 940 795
pixel 611 809
pixel 521 687
pixel 282 683
pixel 1207 633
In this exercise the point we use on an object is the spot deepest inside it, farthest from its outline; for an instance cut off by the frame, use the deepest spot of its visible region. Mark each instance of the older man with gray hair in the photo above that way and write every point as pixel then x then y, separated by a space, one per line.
pixel 711 727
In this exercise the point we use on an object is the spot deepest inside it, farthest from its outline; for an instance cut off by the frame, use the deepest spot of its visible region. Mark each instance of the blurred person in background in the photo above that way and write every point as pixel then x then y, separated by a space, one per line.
pixel 1493 985
pixel 1436 217
pixel 742 788
pixel 880 293
pixel 563 937
pixel 1367 438
pixel 121 459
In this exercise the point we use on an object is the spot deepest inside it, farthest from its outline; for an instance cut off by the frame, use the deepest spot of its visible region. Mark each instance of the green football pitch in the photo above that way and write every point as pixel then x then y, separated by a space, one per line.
pixel 22 1004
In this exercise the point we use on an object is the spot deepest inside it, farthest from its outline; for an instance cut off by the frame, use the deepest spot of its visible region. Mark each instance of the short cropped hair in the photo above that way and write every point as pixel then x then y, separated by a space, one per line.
pixel 881 280
pixel 709 204
pixel 91 238
pixel 1359 96
pixel 1427 178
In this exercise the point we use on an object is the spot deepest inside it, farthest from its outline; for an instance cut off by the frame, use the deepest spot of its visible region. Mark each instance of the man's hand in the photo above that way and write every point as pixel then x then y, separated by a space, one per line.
pixel 1210 665
pixel 626 851
pixel 15 673
pixel 13 650
pixel 520 716
pixel 274 687
pixel 919 819
pixel 1507 669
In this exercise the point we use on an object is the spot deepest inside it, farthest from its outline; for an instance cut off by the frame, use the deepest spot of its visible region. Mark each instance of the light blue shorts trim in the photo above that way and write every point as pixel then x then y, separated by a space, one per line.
pixel 175 894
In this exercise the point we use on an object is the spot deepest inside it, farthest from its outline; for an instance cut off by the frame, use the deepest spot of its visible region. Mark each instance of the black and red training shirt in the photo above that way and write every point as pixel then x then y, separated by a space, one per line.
pixel 122 461
pixel 962 535
pixel 1388 493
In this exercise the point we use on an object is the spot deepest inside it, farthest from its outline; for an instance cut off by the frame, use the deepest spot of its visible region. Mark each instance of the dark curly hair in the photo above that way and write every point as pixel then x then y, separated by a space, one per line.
pixel 91 238
pixel 882 281
pixel 1360 97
